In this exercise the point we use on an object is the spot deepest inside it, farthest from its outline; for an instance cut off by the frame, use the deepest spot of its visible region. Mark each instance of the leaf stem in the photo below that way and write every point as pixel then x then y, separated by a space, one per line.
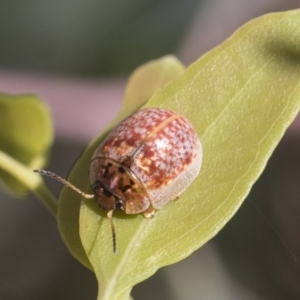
pixel 32 181
pixel 123 296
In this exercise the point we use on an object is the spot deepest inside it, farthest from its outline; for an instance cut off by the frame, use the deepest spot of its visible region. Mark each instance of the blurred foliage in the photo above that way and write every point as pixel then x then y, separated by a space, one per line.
pixel 26 135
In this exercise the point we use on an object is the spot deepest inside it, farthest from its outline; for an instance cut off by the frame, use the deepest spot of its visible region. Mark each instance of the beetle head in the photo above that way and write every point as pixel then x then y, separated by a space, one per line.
pixel 106 199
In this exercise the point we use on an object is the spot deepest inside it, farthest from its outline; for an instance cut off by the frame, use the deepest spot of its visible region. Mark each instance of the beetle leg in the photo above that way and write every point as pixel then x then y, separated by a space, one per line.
pixel 149 213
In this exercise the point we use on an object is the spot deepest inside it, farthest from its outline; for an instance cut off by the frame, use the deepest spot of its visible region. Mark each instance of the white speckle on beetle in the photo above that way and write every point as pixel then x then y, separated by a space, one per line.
pixel 153 155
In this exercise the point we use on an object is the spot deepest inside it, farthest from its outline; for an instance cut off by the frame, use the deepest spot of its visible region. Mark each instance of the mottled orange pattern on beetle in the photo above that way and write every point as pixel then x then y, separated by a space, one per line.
pixel 161 143
pixel 169 149
pixel 158 149
pixel 132 133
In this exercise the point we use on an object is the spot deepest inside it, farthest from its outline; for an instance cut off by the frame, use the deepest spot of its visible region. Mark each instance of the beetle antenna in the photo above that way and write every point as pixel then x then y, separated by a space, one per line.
pixel 113 231
pixel 65 182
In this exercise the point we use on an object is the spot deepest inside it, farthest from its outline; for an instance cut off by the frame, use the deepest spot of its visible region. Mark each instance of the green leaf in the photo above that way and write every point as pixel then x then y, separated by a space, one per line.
pixel 25 137
pixel 25 134
pixel 241 97
pixel 143 83
pixel 146 81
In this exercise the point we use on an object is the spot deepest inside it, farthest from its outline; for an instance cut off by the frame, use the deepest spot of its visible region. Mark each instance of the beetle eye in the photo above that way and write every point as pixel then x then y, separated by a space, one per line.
pixel 119 205
pixel 96 186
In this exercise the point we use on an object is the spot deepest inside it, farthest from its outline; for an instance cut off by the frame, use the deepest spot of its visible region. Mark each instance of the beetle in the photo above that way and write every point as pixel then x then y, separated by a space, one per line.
pixel 144 163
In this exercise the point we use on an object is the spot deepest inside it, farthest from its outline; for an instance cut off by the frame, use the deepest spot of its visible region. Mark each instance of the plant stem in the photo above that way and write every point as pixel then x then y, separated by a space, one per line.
pixel 102 295
pixel 32 181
